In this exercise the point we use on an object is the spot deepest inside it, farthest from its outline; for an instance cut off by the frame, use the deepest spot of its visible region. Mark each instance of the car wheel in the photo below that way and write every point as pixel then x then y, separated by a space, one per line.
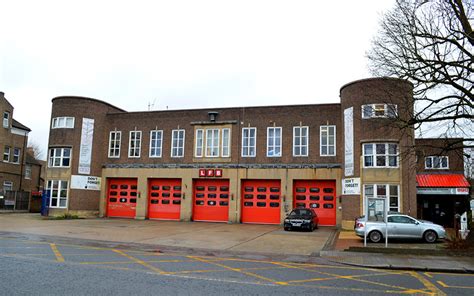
pixel 375 236
pixel 315 226
pixel 311 227
pixel 287 228
pixel 430 236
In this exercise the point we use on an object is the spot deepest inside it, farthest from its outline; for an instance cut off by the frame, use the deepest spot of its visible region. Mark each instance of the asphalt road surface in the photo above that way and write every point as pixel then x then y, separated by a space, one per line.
pixel 46 268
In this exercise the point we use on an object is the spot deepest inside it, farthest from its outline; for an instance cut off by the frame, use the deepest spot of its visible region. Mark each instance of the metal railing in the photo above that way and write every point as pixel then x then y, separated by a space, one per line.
pixel 15 200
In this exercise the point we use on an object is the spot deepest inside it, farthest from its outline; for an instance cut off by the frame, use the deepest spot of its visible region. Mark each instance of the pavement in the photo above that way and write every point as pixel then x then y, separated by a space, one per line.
pixel 240 240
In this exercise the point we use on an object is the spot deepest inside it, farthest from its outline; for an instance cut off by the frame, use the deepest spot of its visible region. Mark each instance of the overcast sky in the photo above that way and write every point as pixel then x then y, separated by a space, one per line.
pixel 180 54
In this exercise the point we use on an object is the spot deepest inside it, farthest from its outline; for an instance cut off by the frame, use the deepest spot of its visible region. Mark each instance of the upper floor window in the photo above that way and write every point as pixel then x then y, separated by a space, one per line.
pixel 214 146
pixel 199 143
pixel 300 140
pixel 212 142
pixel 436 162
pixel 59 157
pixel 380 155
pixel 249 141
pixel 177 143
pixel 6 119
pixel 328 140
pixel 135 143
pixel 379 111
pixel 274 141
pixel 156 142
pixel 16 155
pixel 225 142
pixel 28 171
pixel 6 154
pixel 115 139
pixel 63 122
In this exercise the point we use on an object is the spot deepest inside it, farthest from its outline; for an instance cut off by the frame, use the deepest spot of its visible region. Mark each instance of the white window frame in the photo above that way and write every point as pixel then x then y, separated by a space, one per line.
pixel 8 184
pixel 387 155
pixel 63 122
pixel 246 149
pixel 60 156
pixel 199 145
pixel 114 149
pixel 389 111
pixel 300 146
pixel 6 153
pixel 176 149
pixel 432 159
pixel 272 144
pixel 6 119
pixel 386 196
pixel 225 142
pixel 28 171
pixel 212 142
pixel 58 196
pixel 324 132
pixel 156 147
pixel 134 144
pixel 16 155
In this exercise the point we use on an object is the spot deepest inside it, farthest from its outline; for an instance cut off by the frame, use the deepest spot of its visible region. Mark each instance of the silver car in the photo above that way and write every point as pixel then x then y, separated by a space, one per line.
pixel 400 226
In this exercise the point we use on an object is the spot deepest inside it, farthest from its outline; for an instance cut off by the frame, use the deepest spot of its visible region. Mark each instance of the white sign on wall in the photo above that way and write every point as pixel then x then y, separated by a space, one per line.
pixel 85 182
pixel 348 142
pixel 351 186
pixel 85 152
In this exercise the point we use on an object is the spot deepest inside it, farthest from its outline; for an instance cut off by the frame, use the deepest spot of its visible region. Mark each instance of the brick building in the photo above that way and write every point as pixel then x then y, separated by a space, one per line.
pixel 243 164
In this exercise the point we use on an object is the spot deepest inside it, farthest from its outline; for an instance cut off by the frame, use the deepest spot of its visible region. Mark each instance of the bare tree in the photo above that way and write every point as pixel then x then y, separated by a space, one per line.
pixel 430 43
pixel 35 148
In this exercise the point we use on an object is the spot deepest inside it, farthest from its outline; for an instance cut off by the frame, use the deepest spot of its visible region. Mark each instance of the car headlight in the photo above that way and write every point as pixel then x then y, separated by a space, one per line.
pixel 307 221
pixel 287 220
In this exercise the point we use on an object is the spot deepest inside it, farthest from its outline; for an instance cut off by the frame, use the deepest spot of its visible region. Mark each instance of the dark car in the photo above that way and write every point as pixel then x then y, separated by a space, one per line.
pixel 302 219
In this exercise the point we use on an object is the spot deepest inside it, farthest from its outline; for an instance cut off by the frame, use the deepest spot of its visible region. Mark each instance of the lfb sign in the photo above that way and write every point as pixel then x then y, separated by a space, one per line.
pixel 206 173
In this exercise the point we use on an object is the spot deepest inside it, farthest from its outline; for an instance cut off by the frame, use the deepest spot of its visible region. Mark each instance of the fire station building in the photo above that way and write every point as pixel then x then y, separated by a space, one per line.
pixel 235 165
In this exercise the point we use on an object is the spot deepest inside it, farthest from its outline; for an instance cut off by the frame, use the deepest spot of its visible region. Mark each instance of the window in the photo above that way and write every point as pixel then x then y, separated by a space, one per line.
pixel 7 186
pixel 16 155
pixel 389 192
pixel 59 157
pixel 380 155
pixel 58 193
pixel 328 140
pixel 156 142
pixel 225 142
pixel 379 111
pixel 177 143
pixel 63 122
pixel 249 141
pixel 436 162
pixel 135 143
pixel 212 143
pixel 300 140
pixel 6 119
pixel 28 172
pixel 274 141
pixel 6 154
pixel 199 143
pixel 115 138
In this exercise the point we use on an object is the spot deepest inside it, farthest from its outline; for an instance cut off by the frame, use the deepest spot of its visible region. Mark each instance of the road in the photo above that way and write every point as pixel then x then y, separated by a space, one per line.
pixel 30 267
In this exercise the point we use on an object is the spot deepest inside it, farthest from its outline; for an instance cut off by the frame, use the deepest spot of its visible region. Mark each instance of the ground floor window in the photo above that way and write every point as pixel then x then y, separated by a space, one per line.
pixel 7 186
pixel 58 193
pixel 387 191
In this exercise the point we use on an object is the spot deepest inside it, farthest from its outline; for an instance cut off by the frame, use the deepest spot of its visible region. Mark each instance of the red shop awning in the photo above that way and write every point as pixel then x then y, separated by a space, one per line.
pixel 441 180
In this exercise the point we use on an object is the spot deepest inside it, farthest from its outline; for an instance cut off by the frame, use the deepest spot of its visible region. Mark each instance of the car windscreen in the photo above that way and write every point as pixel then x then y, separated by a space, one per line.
pixel 300 212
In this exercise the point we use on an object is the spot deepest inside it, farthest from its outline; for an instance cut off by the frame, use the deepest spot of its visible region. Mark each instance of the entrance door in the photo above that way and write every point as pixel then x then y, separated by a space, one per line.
pixel 319 195
pixel 164 199
pixel 261 201
pixel 211 200
pixel 121 197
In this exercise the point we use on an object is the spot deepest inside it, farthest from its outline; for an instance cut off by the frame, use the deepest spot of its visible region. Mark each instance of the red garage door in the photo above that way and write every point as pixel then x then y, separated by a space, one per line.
pixel 318 195
pixel 164 199
pixel 211 200
pixel 261 201
pixel 121 198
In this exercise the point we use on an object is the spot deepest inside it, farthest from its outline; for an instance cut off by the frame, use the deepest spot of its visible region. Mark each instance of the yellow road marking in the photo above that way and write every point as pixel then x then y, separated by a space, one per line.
pixel 351 277
pixel 340 277
pixel 427 274
pixel 141 262
pixel 56 252
pixel 455 287
pixel 239 270
pixel 442 284
pixel 429 285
